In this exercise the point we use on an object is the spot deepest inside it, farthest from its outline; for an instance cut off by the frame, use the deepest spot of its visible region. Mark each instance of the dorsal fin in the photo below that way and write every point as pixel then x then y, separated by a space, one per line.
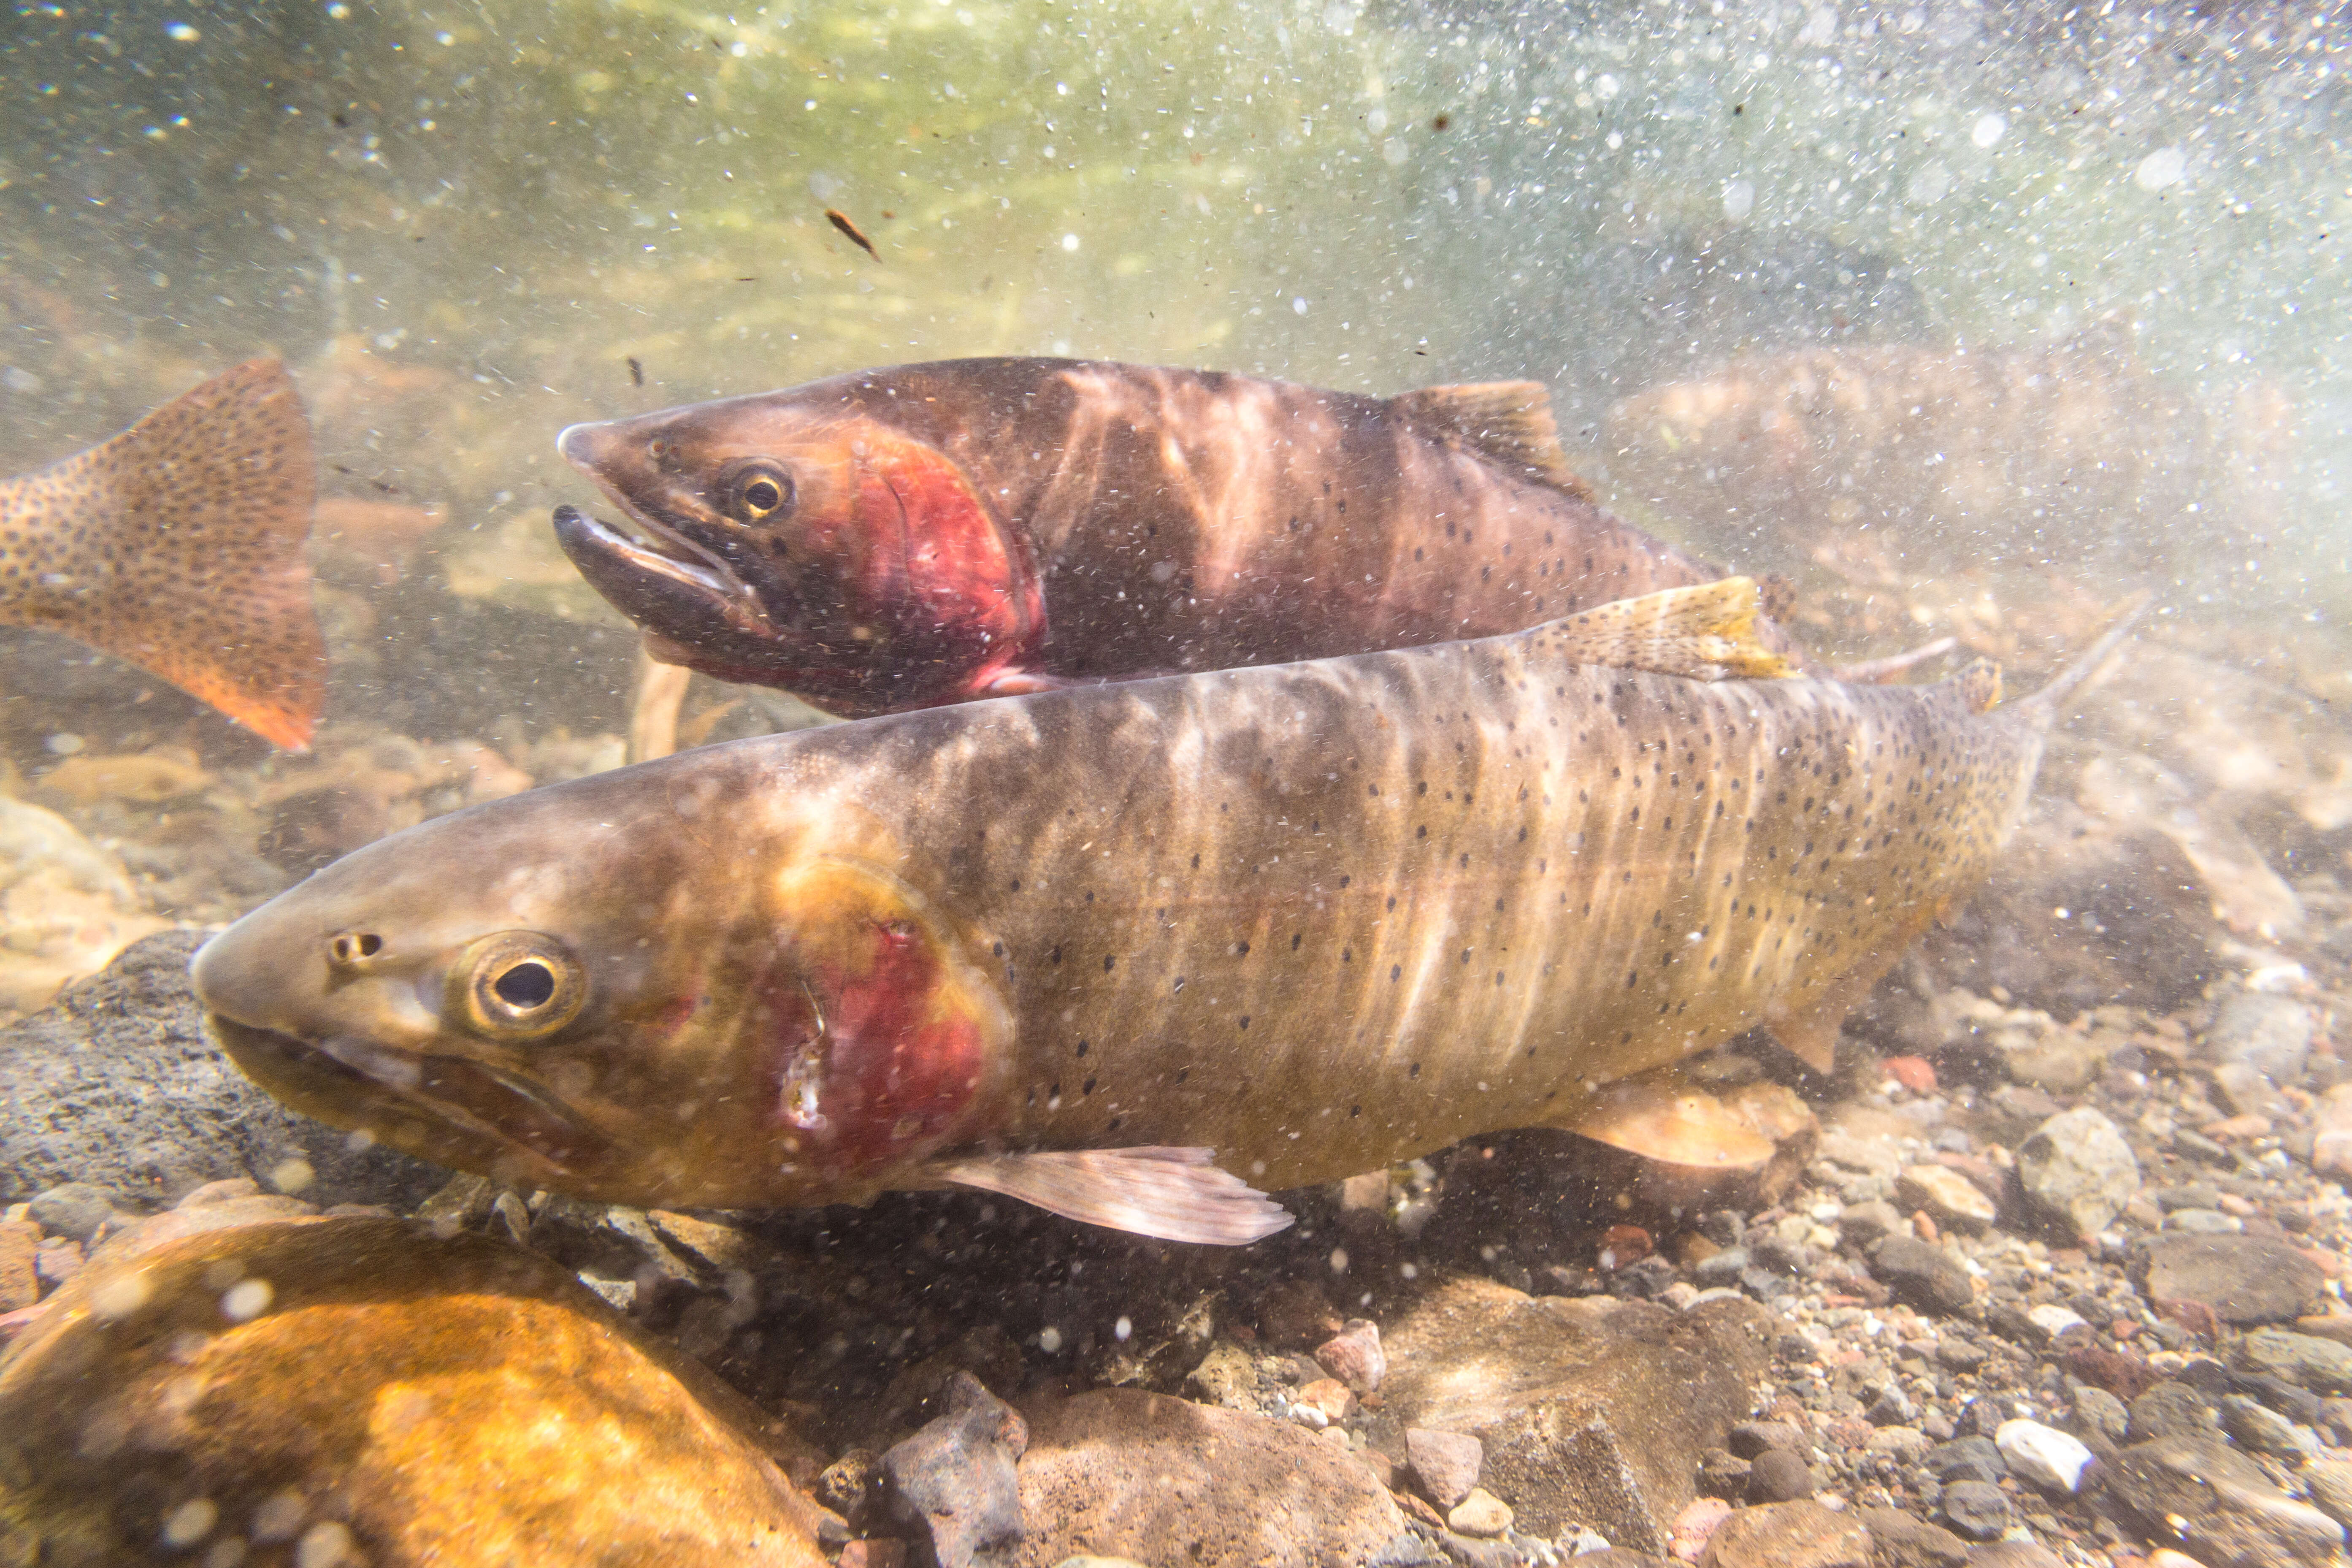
pixel 1704 632
pixel 1509 421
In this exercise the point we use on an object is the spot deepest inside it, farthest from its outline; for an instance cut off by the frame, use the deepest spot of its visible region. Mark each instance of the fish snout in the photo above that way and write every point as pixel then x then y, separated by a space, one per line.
pixel 246 975
pixel 588 446
pixel 283 969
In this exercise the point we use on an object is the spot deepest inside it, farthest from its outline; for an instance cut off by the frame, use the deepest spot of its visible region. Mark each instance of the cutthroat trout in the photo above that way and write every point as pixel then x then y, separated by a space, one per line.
pixel 1129 952
pixel 178 545
pixel 929 533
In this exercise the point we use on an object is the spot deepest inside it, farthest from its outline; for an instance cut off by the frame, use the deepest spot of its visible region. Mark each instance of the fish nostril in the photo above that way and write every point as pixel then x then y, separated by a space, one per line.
pixel 353 949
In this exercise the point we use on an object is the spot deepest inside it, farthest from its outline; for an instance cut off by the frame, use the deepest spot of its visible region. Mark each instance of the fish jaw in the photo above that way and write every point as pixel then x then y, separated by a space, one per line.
pixel 884 578
pixel 658 587
pixel 775 1038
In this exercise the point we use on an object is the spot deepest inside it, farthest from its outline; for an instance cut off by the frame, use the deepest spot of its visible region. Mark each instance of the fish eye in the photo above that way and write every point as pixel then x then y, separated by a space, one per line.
pixel 530 984
pixel 758 491
pixel 517 985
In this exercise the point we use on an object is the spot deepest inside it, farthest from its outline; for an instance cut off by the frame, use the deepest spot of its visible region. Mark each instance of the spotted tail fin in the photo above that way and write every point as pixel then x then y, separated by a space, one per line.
pixel 177 545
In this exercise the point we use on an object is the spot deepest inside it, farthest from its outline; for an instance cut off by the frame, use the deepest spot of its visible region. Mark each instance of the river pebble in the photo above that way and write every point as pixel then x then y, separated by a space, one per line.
pixel 2078 1170
pixel 2042 1455
pixel 1977 1509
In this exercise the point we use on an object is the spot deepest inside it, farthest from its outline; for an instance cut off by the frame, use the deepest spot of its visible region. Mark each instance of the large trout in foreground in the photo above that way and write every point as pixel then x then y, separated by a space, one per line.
pixel 1301 922
pixel 931 533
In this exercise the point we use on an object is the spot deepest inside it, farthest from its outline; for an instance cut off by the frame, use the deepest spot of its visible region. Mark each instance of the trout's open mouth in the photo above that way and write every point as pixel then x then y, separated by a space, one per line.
pixel 468 1103
pixel 660 568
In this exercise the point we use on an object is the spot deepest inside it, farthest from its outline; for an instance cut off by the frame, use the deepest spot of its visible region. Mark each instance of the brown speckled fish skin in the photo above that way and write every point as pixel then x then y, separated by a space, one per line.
pixel 178 545
pixel 1090 520
pixel 1316 918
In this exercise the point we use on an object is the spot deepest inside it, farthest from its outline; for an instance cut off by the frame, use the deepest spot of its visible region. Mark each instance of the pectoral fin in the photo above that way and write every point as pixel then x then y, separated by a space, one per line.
pixel 1706 632
pixel 1662 1119
pixel 1169 1192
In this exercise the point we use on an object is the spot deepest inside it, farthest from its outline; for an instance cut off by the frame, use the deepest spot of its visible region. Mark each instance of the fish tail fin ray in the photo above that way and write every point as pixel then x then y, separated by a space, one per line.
pixel 1508 421
pixel 1703 632
pixel 2042 708
pixel 1659 1116
pixel 178 546
pixel 1173 1193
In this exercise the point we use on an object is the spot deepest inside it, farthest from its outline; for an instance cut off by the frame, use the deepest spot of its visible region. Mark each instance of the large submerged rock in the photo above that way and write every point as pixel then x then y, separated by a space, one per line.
pixel 2217 1504
pixel 1118 1472
pixel 117 1085
pixel 2245 1280
pixel 1590 1409
pixel 359 1390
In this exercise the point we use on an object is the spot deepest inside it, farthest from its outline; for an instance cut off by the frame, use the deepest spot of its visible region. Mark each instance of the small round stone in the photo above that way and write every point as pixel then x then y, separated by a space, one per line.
pixel 1779 1475
pixel 1482 1514
pixel 1977 1509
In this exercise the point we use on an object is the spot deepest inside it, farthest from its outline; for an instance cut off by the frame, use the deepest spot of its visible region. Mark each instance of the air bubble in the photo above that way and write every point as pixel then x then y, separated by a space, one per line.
pixel 190 1522
pixel 246 1300
pixel 121 1296
pixel 2164 167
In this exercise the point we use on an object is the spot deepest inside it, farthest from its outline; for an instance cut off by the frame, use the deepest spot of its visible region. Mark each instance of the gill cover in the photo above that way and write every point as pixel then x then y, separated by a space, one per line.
pixel 887 1027
pixel 924 563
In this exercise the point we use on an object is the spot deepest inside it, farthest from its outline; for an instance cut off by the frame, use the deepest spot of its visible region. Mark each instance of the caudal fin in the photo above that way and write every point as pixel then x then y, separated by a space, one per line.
pixel 178 545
